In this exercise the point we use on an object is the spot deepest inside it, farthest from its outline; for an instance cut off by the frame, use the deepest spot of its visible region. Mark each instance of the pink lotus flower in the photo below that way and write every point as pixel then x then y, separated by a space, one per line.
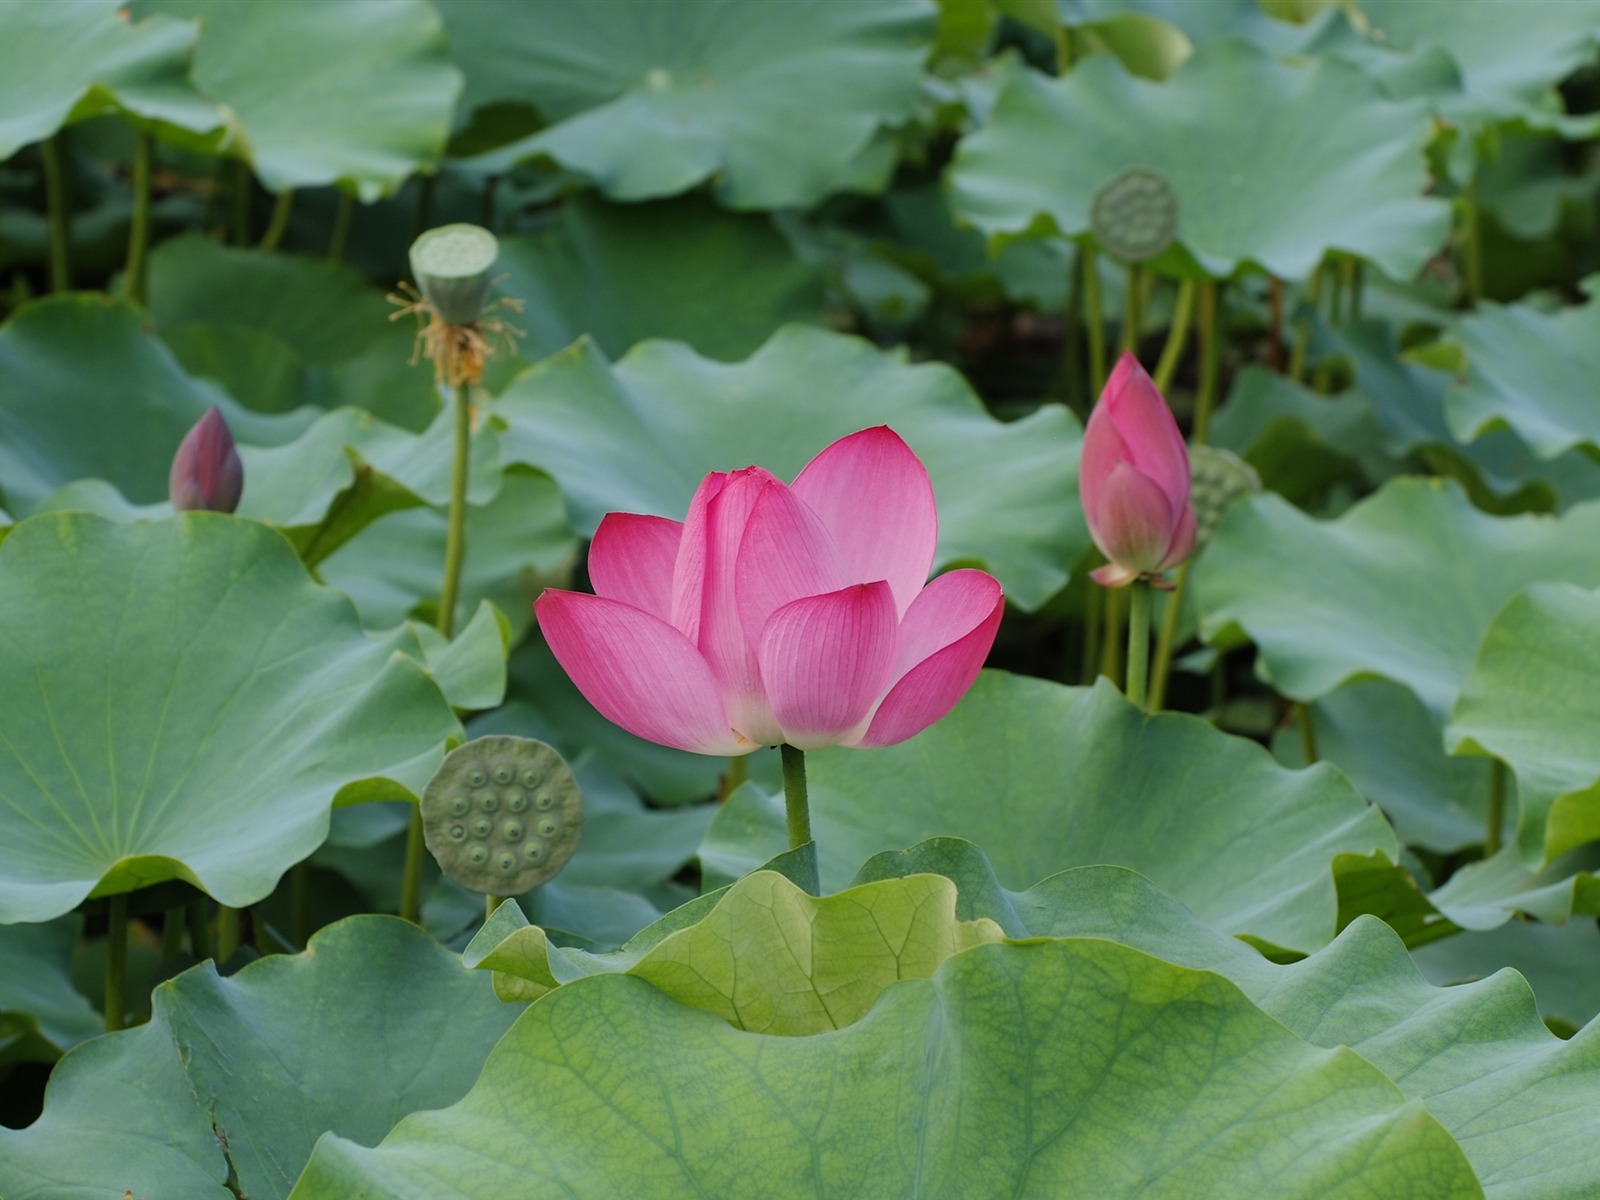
pixel 206 472
pixel 1134 479
pixel 776 613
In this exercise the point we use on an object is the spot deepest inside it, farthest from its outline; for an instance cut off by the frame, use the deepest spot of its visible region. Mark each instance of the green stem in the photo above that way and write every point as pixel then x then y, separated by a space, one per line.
pixel 1072 380
pixel 1177 334
pixel 116 962
pixel 422 214
pixel 300 902
pixel 1094 320
pixel 173 924
pixel 738 772
pixel 1166 639
pixel 227 933
pixel 456 543
pixel 1132 309
pixel 488 210
pixel 1094 609
pixel 241 202
pixel 1497 808
pixel 1111 635
pixel 492 902
pixel 1308 734
pixel 455 550
pixel 279 221
pixel 200 926
pixel 1138 640
pixel 56 200
pixel 796 807
pixel 1302 335
pixel 341 226
pixel 1210 333
pixel 1471 244
pixel 139 228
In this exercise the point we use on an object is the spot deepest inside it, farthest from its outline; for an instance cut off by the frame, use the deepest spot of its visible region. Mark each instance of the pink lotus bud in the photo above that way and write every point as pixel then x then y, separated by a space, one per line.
pixel 206 472
pixel 1134 479
pixel 796 613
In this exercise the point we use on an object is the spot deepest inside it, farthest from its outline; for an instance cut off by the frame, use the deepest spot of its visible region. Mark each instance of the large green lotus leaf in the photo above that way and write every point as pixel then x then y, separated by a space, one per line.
pixel 1378 734
pixel 1208 22
pixel 350 469
pixel 184 702
pixel 327 91
pixel 1521 1102
pixel 87 392
pixel 1014 1069
pixel 1554 959
pixel 1532 371
pixel 681 269
pixel 1484 895
pixel 1410 401
pixel 640 435
pixel 768 957
pixel 279 330
pixel 1085 778
pixel 1301 443
pixel 1528 185
pixel 1402 586
pixel 41 1013
pixel 772 102
pixel 516 544
pixel 1531 701
pixel 1298 160
pixel 56 58
pixel 245 1073
pixel 1509 54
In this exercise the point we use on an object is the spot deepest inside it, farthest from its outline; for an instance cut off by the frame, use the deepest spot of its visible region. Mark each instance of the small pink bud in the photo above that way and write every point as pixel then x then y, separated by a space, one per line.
pixel 206 472
pixel 1134 479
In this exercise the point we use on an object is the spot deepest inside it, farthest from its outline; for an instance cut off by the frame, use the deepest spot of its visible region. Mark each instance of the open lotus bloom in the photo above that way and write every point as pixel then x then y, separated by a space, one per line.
pixel 1134 479
pixel 779 613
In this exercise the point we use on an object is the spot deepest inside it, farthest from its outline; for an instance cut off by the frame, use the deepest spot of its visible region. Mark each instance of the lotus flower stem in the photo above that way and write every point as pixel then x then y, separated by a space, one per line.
pixel 797 809
pixel 1094 320
pixel 174 924
pixel 1167 639
pixel 1094 607
pixel 456 541
pixel 55 188
pixel 1497 808
pixel 1113 607
pixel 279 221
pixel 1133 308
pixel 1209 332
pixel 341 226
pixel 116 962
pixel 1471 245
pixel 200 926
pixel 1177 334
pixel 241 203
pixel 455 549
pixel 300 902
pixel 738 772
pixel 227 932
pixel 1138 640
pixel 492 902
pixel 139 227
pixel 1308 734
pixel 1302 334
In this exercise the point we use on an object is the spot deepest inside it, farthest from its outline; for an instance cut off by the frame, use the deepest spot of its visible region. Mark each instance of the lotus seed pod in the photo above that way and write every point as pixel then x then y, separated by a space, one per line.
pixel 1135 216
pixel 474 830
pixel 452 265
pixel 1218 479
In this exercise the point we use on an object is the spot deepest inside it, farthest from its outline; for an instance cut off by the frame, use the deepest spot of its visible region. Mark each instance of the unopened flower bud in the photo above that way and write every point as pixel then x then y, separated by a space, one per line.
pixel 206 472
